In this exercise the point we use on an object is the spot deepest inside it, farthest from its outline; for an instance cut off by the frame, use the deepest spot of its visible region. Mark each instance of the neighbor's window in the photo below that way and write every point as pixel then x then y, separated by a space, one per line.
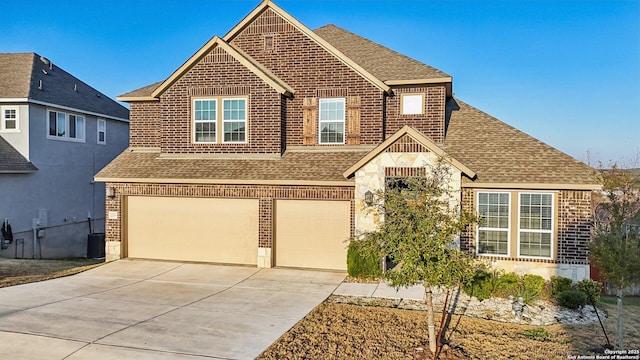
pixel 535 225
pixel 9 119
pixel 332 117
pixel 234 120
pixel 204 119
pixel 493 232
pixel 65 126
pixel 412 104
pixel 102 131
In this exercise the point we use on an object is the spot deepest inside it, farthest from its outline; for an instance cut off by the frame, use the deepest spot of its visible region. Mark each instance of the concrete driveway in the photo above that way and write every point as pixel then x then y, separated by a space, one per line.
pixel 158 310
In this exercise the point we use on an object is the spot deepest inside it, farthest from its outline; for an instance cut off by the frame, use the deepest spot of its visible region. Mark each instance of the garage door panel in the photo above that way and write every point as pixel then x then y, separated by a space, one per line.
pixel 193 229
pixel 312 234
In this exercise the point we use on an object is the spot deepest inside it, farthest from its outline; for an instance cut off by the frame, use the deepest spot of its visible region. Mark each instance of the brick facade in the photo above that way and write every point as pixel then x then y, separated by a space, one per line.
pixel 312 72
pixel 266 195
pixel 145 124
pixel 219 74
pixel 574 226
pixel 430 123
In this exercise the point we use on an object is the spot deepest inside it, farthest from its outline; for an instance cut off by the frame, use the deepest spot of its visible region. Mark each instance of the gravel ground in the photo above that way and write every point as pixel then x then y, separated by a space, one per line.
pixel 369 328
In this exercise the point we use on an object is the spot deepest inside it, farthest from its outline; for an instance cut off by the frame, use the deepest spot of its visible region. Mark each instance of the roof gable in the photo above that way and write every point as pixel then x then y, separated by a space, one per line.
pixel 246 60
pixel 30 77
pixel 268 4
pixel 408 138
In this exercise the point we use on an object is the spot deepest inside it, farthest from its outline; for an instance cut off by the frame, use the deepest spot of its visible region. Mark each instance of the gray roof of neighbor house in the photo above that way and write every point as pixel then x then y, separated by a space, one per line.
pixel 502 154
pixel 382 62
pixel 11 161
pixel 20 76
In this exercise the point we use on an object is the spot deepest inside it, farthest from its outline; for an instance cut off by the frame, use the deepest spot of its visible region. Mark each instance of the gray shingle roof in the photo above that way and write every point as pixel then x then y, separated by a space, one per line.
pixel 20 76
pixel 143 91
pixel 317 166
pixel 499 153
pixel 11 161
pixel 382 62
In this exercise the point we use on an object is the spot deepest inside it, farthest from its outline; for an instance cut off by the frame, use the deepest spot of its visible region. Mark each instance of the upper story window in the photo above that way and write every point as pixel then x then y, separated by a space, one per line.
pixel 65 126
pixel 10 120
pixel 234 120
pixel 493 232
pixel 233 127
pixel 535 225
pixel 332 121
pixel 101 136
pixel 412 104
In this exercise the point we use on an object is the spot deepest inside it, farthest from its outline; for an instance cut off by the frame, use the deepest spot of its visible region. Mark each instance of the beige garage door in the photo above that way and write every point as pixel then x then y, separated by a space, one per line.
pixel 193 229
pixel 312 234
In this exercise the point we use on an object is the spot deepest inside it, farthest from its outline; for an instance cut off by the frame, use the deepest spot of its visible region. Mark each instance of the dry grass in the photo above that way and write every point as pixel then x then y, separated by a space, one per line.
pixel 16 272
pixel 343 331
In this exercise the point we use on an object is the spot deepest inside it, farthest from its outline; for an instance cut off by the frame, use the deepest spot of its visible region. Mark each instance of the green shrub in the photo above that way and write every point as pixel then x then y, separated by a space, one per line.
pixel 530 287
pixel 560 284
pixel 590 288
pixel 360 265
pixel 480 286
pixel 533 283
pixel 508 284
pixel 572 299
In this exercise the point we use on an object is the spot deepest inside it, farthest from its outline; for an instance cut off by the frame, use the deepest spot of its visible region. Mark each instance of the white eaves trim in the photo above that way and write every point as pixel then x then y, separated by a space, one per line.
pixel 61 107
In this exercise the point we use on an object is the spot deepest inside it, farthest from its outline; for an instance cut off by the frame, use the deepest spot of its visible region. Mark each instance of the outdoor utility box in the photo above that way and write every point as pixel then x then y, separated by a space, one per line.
pixel 95 245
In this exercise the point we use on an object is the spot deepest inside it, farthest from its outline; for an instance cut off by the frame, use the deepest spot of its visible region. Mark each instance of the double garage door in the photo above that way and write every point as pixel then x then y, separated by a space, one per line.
pixel 307 233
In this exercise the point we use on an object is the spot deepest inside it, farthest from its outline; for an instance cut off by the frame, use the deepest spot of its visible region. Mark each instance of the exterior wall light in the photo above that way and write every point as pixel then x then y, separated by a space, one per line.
pixel 110 191
pixel 368 198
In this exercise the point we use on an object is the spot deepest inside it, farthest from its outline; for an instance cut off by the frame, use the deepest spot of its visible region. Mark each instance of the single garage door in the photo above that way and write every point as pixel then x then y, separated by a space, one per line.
pixel 193 229
pixel 312 233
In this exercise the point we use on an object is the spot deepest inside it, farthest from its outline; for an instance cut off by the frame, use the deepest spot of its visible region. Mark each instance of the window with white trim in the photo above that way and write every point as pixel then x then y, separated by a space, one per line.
pixel 205 120
pixel 493 232
pixel 10 122
pixel 332 121
pixel 412 104
pixel 63 126
pixel 101 136
pixel 234 120
pixel 535 229
pixel 233 127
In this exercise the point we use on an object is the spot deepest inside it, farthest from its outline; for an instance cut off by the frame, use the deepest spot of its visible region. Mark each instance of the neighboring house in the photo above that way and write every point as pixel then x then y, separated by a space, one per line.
pixel 56 132
pixel 262 147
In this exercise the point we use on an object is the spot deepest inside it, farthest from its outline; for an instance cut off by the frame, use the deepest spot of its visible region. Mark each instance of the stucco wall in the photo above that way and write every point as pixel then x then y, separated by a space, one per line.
pixel 18 139
pixel 63 186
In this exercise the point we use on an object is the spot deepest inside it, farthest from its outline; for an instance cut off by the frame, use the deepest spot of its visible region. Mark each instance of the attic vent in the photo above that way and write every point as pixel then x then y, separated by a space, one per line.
pixel 75 87
pixel 269 43
pixel 40 84
pixel 45 72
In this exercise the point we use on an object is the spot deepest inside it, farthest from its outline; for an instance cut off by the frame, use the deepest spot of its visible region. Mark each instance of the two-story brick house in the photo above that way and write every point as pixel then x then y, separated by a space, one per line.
pixel 261 148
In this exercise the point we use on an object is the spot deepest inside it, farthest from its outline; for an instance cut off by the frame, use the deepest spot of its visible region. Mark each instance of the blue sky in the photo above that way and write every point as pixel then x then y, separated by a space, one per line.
pixel 565 72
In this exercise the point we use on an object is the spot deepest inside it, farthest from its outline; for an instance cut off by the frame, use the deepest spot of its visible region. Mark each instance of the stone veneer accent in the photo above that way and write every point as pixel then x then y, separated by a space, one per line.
pixel 266 195
pixel 371 177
